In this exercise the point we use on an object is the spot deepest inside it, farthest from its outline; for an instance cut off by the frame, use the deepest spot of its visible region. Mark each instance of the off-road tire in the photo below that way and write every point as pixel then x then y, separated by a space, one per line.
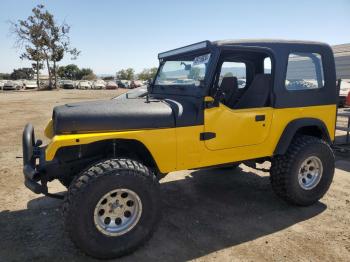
pixel 66 181
pixel 285 168
pixel 93 183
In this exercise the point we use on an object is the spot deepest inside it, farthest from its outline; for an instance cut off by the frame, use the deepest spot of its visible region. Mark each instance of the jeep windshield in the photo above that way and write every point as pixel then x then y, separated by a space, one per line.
pixel 183 72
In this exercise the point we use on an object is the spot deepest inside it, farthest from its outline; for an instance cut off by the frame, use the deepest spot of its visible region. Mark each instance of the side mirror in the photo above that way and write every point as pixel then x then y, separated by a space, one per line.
pixel 149 85
pixel 219 95
pixel 187 66
pixel 215 100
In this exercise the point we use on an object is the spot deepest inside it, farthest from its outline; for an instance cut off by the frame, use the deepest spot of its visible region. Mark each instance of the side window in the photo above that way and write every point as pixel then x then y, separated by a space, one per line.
pixel 267 65
pixel 304 71
pixel 236 69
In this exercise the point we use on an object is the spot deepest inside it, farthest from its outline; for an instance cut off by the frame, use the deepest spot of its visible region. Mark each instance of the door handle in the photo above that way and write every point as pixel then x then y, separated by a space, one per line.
pixel 206 136
pixel 259 118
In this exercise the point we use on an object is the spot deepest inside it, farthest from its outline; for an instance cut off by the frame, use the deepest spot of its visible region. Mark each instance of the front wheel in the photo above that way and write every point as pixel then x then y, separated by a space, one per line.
pixel 304 174
pixel 112 208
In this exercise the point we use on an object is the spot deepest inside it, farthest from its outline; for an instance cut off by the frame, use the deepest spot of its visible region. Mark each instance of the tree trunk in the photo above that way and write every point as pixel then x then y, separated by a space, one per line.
pixel 37 74
pixel 49 71
pixel 55 74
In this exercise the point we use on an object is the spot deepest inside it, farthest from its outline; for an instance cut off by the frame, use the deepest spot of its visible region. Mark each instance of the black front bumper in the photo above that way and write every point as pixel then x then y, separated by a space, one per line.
pixel 33 158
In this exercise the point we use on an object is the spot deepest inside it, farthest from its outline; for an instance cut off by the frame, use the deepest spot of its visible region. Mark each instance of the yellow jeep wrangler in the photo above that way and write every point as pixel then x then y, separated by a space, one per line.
pixel 210 104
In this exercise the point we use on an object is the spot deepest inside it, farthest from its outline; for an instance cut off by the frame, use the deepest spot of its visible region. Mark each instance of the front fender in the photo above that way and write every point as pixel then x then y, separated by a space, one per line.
pixel 160 142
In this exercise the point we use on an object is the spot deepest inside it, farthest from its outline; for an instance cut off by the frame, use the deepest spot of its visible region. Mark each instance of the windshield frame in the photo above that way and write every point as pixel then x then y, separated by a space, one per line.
pixel 175 71
pixel 186 90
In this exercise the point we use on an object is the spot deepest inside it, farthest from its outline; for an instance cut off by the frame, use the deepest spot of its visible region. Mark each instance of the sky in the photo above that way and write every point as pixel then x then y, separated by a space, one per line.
pixel 112 35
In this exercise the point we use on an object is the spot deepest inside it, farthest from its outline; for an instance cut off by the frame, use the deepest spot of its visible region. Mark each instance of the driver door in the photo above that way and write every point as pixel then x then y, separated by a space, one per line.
pixel 236 127
pixel 231 128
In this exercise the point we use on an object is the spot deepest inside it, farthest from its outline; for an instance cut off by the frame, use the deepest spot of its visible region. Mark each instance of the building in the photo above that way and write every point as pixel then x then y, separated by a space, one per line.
pixel 342 60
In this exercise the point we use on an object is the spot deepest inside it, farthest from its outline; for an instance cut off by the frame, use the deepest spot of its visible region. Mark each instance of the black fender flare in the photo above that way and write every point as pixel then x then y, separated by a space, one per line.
pixel 292 128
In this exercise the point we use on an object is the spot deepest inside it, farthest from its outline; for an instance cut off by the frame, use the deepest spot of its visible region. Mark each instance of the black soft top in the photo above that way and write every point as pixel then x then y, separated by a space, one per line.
pixel 273 44
pixel 266 42
pixel 278 51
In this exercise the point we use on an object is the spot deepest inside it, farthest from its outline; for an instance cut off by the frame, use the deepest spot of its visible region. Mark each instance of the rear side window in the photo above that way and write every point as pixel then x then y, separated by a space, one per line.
pixel 304 71
pixel 267 65
pixel 236 69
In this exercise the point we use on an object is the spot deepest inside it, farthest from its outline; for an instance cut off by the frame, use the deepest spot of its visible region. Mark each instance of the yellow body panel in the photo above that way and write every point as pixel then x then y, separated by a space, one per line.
pixel 161 143
pixel 279 120
pixel 234 128
pixel 238 136
pixel 49 130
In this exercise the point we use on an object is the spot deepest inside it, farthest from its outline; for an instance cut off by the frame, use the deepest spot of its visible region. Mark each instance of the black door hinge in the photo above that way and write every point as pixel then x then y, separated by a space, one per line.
pixel 210 104
pixel 206 136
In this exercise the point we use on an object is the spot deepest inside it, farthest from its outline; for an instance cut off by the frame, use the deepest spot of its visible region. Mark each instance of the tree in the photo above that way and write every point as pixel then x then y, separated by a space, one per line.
pixel 147 74
pixel 70 72
pixel 28 34
pixel 126 74
pixel 90 77
pixel 108 78
pixel 4 76
pixel 59 44
pixel 74 73
pixel 85 72
pixel 43 39
pixel 22 73
pixel 36 68
pixel 61 71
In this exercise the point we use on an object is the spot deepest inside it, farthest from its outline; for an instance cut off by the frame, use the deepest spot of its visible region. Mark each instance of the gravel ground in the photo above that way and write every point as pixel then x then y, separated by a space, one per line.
pixel 211 215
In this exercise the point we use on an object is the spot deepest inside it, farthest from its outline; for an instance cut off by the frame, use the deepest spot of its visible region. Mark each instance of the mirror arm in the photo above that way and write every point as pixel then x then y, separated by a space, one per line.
pixel 216 101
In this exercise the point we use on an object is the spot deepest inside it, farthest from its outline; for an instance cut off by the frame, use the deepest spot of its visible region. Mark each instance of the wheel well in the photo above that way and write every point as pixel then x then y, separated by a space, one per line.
pixel 76 158
pixel 133 149
pixel 305 126
pixel 315 131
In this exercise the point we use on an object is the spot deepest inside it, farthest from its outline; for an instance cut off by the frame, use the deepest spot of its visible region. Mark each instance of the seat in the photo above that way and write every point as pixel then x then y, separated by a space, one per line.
pixel 257 95
pixel 229 87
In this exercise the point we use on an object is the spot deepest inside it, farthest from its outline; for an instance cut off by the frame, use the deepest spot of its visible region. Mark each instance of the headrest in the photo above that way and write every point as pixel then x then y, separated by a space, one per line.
pixel 228 83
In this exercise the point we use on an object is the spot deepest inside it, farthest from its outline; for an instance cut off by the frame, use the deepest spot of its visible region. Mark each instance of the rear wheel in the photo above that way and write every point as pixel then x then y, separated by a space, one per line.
pixel 304 174
pixel 112 208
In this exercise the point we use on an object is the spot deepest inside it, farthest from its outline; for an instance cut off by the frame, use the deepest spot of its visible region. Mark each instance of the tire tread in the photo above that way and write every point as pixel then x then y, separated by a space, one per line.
pixel 281 166
pixel 87 179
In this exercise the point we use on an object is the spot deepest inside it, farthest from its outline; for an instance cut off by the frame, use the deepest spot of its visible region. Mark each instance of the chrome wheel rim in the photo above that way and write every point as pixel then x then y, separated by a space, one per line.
pixel 310 173
pixel 117 212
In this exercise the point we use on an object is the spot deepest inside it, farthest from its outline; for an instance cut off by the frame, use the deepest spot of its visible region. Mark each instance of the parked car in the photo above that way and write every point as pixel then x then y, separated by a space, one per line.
pixel 84 85
pixel 347 102
pixel 98 84
pixel 135 83
pixel 134 93
pixel 67 84
pixel 12 85
pixel 19 84
pixel 2 84
pixel 123 83
pixel 111 85
pixel 30 84
pixel 75 84
pixel 344 91
pixel 45 84
pixel 241 83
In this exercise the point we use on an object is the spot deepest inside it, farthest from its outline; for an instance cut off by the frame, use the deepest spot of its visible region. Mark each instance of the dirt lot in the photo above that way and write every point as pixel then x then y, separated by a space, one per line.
pixel 212 214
